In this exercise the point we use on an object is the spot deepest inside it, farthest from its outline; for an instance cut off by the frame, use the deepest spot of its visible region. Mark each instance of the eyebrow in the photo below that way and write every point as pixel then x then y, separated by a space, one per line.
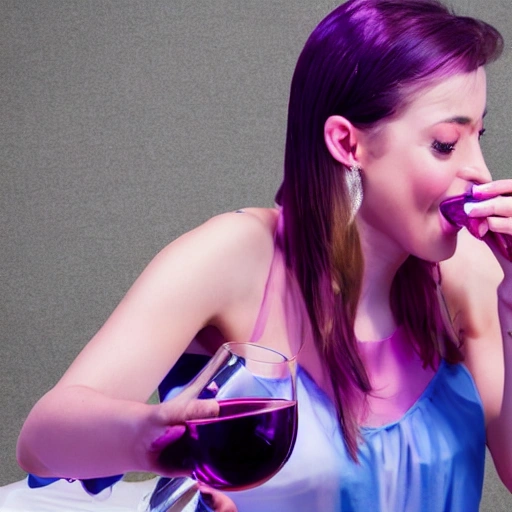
pixel 462 120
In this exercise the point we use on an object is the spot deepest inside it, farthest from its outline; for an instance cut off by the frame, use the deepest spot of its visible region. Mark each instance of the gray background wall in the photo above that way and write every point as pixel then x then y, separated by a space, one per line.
pixel 126 123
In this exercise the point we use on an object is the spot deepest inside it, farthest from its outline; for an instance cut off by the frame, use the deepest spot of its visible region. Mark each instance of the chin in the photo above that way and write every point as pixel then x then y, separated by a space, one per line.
pixel 439 250
pixel 445 251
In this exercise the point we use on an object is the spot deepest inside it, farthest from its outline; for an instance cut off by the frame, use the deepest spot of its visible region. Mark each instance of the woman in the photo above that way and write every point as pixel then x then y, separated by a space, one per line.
pixel 386 111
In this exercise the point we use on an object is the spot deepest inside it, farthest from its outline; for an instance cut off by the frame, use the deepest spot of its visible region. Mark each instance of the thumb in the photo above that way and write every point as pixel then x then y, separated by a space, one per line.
pixel 170 447
pixel 197 409
pixel 177 412
pixel 179 409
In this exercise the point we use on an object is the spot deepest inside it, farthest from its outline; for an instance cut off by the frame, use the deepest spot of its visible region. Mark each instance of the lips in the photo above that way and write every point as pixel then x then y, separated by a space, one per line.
pixel 454 212
pixel 449 228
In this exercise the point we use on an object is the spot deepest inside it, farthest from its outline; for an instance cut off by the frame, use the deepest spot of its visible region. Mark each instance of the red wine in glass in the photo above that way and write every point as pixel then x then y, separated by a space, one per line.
pixel 246 445
pixel 255 432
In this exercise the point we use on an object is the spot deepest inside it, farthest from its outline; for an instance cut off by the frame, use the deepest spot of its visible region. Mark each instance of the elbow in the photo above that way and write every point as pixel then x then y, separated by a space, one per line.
pixel 507 482
pixel 27 458
pixel 30 446
pixel 506 478
pixel 504 471
pixel 25 461
pixel 500 447
pixel 24 454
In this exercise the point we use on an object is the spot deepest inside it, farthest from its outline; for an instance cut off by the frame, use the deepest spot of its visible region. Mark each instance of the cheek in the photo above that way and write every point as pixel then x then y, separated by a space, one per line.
pixel 430 185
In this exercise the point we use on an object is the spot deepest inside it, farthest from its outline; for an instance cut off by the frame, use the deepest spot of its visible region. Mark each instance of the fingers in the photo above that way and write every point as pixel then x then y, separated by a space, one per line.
pixel 492 189
pixel 491 218
pixel 170 453
pixel 202 409
pixel 497 212
pixel 499 205
pixel 216 500
pixel 500 225
pixel 167 448
pixel 171 435
pixel 178 410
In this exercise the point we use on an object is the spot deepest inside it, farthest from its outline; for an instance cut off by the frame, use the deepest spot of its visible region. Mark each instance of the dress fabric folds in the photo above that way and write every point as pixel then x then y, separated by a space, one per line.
pixel 430 460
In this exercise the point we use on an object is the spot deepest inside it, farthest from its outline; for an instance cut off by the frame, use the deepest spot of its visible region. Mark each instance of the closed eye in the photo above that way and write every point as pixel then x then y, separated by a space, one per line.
pixel 443 148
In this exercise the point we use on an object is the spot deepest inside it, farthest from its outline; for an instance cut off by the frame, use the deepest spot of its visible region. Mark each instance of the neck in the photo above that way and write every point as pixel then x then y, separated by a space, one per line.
pixel 374 319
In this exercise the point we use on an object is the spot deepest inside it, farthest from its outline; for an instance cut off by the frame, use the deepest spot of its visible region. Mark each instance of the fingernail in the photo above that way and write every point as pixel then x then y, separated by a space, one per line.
pixel 480 208
pixel 482 229
pixel 481 189
pixel 469 207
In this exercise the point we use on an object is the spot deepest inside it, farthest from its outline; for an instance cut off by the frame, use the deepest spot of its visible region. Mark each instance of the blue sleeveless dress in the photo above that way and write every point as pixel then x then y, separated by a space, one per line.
pixel 431 460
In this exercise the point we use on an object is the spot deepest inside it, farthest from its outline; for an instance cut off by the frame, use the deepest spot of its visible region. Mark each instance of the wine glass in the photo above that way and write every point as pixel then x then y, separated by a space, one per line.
pixel 455 211
pixel 255 431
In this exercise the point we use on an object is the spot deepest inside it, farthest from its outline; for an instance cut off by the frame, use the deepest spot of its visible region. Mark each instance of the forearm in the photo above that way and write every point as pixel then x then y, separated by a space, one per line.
pixel 78 432
pixel 502 426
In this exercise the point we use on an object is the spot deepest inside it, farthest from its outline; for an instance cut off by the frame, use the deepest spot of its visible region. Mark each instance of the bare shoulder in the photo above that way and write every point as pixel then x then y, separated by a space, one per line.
pixel 246 234
pixel 229 253
pixel 251 223
pixel 218 272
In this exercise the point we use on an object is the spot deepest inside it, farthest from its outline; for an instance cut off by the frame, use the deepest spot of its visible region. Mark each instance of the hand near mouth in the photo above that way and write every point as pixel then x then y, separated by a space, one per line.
pixel 486 212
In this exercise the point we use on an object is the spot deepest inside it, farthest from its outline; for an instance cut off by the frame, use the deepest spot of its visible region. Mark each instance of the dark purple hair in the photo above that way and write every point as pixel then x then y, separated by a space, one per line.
pixel 364 61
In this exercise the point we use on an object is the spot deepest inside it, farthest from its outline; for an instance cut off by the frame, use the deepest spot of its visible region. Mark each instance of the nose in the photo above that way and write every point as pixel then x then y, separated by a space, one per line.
pixel 473 166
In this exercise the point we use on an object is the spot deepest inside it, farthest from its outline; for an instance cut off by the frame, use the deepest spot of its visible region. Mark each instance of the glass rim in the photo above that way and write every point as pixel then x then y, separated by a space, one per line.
pixel 285 359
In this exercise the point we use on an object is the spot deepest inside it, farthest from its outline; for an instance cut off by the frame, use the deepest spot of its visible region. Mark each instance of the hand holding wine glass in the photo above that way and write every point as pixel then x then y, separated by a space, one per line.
pixel 254 432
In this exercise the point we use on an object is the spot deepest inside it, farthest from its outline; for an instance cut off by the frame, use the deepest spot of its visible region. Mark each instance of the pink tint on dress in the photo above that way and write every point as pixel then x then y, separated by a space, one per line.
pixel 397 376
pixel 393 365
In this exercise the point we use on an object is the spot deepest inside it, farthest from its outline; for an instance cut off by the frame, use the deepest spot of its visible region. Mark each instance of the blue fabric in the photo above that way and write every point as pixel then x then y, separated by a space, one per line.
pixel 431 460
pixel 183 371
pixel 91 485
pixel 35 481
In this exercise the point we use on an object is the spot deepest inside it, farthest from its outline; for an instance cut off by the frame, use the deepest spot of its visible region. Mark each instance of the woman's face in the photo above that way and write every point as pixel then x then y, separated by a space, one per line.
pixel 415 161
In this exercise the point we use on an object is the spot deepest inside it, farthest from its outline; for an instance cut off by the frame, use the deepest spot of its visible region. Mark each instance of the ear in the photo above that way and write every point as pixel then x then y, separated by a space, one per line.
pixel 341 140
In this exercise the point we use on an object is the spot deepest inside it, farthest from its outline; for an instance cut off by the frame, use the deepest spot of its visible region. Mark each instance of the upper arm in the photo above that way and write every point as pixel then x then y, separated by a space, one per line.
pixel 208 276
pixel 470 281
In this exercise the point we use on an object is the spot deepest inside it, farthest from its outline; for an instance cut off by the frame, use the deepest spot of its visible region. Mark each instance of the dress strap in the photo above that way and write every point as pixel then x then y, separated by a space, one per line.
pixel 270 286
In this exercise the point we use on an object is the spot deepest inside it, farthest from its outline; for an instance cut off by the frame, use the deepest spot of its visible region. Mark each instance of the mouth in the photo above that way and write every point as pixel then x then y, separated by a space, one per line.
pixel 454 211
pixel 448 227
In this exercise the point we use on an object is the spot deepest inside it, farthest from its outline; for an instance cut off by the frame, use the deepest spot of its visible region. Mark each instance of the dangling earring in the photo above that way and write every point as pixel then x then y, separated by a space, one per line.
pixel 355 189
